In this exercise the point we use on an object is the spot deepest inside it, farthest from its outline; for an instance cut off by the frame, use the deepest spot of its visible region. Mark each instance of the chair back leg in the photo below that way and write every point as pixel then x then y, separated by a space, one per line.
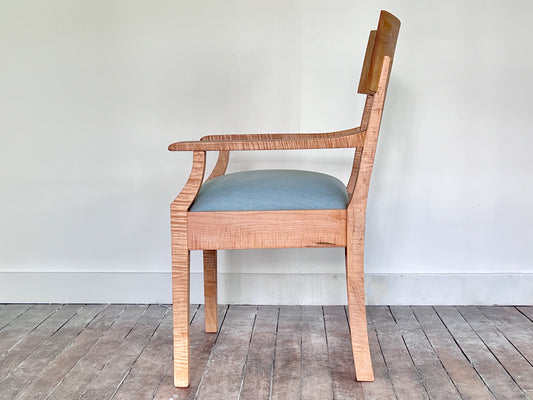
pixel 355 281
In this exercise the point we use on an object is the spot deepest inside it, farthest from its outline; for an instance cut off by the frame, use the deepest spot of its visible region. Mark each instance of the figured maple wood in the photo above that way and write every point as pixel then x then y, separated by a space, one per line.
pixel 359 150
pixel 266 229
pixel 355 170
pixel 276 136
pixel 181 269
pixel 210 290
pixel 355 283
pixel 364 172
pixel 323 142
pixel 384 46
pixel 210 231
pixel 221 165
pixel 356 215
pixel 363 81
pixel 192 186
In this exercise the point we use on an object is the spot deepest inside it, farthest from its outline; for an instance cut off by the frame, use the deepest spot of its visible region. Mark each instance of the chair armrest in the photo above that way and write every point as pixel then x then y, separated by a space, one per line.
pixel 276 136
pixel 349 138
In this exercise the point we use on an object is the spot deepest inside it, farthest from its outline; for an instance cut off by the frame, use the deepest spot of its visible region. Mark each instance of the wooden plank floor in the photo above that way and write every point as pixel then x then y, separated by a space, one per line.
pixel 266 352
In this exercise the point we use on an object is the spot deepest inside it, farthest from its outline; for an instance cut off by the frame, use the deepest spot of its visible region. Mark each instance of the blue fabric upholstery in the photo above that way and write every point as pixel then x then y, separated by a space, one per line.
pixel 271 190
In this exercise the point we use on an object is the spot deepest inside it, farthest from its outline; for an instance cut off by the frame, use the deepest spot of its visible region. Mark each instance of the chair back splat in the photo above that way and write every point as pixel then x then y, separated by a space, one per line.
pixel 281 208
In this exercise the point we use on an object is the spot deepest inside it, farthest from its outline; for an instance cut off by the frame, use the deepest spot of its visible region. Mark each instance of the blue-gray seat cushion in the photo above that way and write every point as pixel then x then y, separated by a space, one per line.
pixel 271 190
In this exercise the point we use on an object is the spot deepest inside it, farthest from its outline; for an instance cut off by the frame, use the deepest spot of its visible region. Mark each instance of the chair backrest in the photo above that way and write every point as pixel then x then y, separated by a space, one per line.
pixel 373 83
pixel 381 43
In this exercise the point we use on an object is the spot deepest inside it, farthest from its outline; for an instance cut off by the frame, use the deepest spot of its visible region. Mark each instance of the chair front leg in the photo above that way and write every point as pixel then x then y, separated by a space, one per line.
pixel 356 305
pixel 210 290
pixel 180 298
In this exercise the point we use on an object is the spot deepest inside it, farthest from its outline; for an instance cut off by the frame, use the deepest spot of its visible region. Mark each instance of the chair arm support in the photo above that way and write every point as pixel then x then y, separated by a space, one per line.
pixel 350 138
pixel 187 195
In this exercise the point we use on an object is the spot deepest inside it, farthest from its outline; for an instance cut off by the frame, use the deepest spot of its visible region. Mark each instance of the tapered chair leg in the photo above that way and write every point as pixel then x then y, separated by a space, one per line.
pixel 210 290
pixel 357 310
pixel 180 300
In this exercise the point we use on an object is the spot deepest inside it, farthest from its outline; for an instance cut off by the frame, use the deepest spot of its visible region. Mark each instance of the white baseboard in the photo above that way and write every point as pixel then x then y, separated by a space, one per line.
pixel 242 288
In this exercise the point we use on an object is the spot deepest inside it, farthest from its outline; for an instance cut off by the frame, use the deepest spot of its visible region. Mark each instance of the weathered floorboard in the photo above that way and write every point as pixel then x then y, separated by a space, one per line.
pixel 201 345
pixel 10 312
pixel 457 365
pixel 260 363
pixel 89 366
pixel 517 328
pixel 225 369
pixel 21 350
pixel 265 352
pixel 116 368
pixel 36 376
pixel 287 379
pixel 339 349
pixel 494 375
pixel 25 323
pixel 514 363
pixel 403 374
pixel 316 376
pixel 434 377
pixel 150 366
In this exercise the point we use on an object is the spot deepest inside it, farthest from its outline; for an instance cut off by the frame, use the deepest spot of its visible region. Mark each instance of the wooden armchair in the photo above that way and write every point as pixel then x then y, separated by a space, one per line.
pixel 281 208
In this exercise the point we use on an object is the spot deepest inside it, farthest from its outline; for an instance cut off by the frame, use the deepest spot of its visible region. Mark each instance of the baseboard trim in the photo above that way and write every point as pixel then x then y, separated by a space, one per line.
pixel 259 288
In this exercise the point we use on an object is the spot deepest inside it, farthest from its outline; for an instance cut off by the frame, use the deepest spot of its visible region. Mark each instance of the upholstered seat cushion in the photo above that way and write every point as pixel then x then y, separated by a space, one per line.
pixel 271 190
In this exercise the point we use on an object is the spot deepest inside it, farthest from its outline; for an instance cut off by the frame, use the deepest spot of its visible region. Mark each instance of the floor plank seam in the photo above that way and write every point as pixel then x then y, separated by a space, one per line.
pixel 194 314
pixel 135 324
pixel 327 350
pixel 525 315
pixel 385 362
pixel 64 323
pixel 18 316
pixel 418 375
pixel 243 373
pixel 274 357
pixel 300 322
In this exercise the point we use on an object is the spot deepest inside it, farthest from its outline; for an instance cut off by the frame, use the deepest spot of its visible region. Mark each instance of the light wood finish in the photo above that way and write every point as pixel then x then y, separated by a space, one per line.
pixel 266 229
pixel 279 136
pixel 354 138
pixel 181 269
pixel 124 352
pixel 383 44
pixel 355 239
pixel 221 165
pixel 365 71
pixel 210 231
pixel 210 290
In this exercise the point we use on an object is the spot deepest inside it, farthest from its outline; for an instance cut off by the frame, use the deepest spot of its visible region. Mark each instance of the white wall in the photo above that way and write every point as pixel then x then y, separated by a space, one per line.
pixel 91 94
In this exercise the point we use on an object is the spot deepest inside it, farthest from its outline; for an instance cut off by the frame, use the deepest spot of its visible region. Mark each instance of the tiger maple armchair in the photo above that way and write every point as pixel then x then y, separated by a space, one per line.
pixel 281 208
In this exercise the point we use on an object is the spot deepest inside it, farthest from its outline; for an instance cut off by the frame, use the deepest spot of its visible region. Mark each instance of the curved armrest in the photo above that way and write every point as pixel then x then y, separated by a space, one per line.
pixel 277 136
pixel 349 138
